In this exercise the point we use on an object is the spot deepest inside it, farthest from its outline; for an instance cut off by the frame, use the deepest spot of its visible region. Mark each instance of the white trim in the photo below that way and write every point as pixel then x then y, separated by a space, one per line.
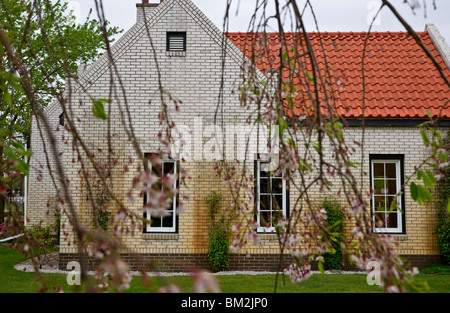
pixel 398 181
pixel 260 228
pixel 173 228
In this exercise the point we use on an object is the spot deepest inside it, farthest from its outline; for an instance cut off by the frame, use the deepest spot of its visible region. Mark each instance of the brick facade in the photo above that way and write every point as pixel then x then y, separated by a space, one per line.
pixel 194 78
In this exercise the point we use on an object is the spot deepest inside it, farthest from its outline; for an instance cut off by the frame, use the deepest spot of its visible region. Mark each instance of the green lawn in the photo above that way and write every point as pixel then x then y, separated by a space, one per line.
pixel 13 281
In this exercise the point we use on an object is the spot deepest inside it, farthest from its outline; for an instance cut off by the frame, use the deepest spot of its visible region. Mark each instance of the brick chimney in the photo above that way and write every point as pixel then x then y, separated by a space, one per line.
pixel 147 7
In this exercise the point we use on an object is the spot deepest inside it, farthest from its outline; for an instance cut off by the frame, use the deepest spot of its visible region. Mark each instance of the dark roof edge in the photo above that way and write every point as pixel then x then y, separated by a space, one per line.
pixel 384 122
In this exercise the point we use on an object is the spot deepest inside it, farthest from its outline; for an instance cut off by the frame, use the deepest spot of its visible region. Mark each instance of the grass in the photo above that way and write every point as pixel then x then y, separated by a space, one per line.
pixel 13 281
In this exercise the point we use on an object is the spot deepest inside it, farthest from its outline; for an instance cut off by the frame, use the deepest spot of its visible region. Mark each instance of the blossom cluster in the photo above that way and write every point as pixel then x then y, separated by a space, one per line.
pixel 298 273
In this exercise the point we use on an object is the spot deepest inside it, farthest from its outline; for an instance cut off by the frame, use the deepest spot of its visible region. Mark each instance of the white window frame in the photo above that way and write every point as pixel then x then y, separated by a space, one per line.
pixel 398 170
pixel 173 228
pixel 261 228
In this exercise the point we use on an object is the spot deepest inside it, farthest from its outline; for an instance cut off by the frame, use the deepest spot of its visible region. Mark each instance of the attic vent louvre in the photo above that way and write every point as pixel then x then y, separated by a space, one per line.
pixel 176 43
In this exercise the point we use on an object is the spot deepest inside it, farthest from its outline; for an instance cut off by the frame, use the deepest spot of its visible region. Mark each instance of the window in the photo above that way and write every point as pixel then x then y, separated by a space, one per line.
pixel 166 172
pixel 271 197
pixel 176 41
pixel 387 200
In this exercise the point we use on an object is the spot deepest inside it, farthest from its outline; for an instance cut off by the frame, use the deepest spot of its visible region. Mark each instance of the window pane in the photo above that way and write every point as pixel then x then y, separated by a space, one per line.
pixel 391 187
pixel 378 186
pixel 390 199
pixel 392 220
pixel 265 218
pixel 264 202
pixel 379 203
pixel 391 171
pixel 378 170
pixel 156 222
pixel 167 221
pixel 156 170
pixel 380 220
pixel 168 167
pixel 277 185
pixel 263 185
pixel 263 173
pixel 279 202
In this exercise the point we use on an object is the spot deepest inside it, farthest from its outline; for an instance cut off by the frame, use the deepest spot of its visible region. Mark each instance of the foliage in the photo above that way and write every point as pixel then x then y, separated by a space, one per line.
pixel 219 233
pixel 335 226
pixel 52 45
pixel 422 191
pixel 443 196
pixel 42 238
pixel 101 201
pixel 436 269
pixel 43 39
pixel 43 234
pixel 8 230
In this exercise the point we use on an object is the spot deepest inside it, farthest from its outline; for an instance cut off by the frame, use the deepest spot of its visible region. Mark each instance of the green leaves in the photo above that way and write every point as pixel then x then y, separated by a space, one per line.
pixel 9 81
pixel 420 194
pixel 98 108
pixel 421 191
pixel 16 153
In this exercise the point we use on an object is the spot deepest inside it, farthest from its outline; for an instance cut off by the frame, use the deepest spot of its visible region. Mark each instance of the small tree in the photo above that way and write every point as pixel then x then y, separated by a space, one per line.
pixel 219 233
pixel 335 223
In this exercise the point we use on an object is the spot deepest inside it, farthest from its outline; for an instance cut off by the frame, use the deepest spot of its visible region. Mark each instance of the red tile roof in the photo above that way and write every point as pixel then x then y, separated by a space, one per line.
pixel 401 82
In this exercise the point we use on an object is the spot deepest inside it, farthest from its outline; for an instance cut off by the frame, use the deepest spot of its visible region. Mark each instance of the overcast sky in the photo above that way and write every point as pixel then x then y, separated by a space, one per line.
pixel 332 15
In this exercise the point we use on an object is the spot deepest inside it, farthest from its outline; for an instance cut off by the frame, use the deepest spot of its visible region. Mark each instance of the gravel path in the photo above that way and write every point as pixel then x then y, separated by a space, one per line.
pixel 52 267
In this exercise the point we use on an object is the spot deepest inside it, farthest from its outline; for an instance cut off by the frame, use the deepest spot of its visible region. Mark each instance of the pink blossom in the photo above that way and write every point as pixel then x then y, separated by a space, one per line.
pixel 168 179
pixel 393 289
pixel 357 207
pixel 170 289
pixel 144 181
pixel 181 207
pixel 254 238
pixel 119 216
pixel 119 272
pixel 204 282
pixel 298 274
pixel 439 176
pixel 131 197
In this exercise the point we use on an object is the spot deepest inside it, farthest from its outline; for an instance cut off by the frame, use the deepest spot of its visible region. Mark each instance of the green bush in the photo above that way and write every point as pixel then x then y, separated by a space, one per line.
pixel 443 223
pixel 219 234
pixel 335 223
pixel 42 240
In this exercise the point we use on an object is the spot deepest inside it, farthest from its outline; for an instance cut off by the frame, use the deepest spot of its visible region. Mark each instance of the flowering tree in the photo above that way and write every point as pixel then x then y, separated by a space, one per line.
pixel 312 155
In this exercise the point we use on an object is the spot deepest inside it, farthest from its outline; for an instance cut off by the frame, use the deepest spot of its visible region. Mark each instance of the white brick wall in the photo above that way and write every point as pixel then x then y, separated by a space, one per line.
pixel 194 79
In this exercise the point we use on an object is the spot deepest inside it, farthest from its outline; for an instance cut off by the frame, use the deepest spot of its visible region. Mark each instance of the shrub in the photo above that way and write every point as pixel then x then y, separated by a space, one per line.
pixel 335 223
pixel 219 233
pixel 8 229
pixel 42 240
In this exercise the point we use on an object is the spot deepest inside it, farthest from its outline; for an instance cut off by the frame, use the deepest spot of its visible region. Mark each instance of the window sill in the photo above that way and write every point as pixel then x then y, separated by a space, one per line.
pixel 176 53
pixel 154 236
pixel 267 237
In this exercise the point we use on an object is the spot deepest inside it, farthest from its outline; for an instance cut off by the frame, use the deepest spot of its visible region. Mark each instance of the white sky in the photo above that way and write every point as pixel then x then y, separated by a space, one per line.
pixel 332 15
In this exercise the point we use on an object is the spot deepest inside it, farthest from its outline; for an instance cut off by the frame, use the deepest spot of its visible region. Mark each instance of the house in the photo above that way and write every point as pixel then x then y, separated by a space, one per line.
pixel 196 63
